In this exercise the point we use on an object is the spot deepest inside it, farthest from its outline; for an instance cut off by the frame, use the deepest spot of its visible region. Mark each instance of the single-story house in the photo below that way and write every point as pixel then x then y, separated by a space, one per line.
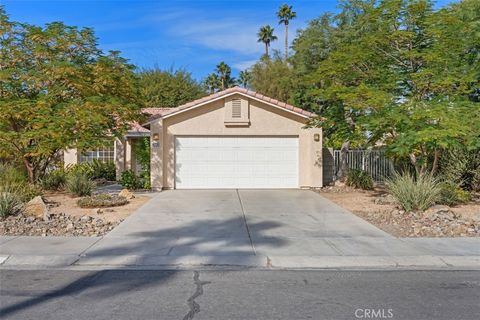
pixel 235 138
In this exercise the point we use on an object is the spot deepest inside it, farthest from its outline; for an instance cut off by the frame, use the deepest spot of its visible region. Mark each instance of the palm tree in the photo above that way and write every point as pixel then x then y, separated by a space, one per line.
pixel 285 14
pixel 212 82
pixel 244 78
pixel 265 35
pixel 224 71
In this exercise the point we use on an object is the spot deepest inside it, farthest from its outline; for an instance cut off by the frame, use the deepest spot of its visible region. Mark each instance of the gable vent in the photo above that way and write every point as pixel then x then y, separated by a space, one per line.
pixel 236 108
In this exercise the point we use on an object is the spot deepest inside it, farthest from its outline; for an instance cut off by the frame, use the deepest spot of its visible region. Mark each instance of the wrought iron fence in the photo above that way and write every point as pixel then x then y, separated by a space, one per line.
pixel 374 162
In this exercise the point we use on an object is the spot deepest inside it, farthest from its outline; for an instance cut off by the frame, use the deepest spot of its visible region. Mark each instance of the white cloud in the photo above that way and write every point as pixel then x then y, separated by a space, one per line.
pixel 231 34
pixel 242 65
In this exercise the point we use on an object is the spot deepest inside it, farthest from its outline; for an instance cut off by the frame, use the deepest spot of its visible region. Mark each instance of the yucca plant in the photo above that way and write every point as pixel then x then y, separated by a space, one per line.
pixel 10 202
pixel 414 193
pixel 13 180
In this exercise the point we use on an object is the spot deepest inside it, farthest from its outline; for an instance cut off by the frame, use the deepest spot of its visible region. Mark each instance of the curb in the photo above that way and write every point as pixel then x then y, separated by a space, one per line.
pixel 257 261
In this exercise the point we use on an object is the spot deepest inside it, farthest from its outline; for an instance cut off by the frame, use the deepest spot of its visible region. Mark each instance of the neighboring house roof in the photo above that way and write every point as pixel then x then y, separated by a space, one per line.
pixel 166 112
pixel 157 111
pixel 136 129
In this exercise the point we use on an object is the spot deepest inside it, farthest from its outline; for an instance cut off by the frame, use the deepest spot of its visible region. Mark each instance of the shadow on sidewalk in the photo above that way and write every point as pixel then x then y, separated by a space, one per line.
pixel 207 237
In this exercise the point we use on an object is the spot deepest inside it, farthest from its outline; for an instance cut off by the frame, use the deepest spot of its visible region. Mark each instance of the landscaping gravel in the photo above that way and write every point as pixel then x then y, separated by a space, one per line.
pixel 56 225
pixel 381 210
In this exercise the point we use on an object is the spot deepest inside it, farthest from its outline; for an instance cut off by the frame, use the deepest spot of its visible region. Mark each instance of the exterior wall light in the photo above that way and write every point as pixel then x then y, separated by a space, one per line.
pixel 156 137
pixel 316 137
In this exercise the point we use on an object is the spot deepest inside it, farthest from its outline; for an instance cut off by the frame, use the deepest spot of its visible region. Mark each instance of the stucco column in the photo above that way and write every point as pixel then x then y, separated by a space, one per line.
pixel 128 154
pixel 156 155
pixel 119 151
pixel 311 168
pixel 70 157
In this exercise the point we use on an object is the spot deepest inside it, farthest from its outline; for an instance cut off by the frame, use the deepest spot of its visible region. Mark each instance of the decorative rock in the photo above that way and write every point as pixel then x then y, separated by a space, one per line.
pixel 126 194
pixel 97 211
pixel 438 209
pixel 86 219
pixel 36 208
pixel 387 200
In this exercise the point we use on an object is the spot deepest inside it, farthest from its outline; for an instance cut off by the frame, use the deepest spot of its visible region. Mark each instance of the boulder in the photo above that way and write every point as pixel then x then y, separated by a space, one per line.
pixel 126 194
pixel 36 208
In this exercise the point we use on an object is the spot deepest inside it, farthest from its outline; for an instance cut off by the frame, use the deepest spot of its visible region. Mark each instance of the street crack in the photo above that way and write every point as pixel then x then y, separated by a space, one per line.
pixel 192 304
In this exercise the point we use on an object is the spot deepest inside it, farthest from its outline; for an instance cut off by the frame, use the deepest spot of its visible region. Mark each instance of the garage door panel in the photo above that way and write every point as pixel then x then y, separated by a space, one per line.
pixel 236 162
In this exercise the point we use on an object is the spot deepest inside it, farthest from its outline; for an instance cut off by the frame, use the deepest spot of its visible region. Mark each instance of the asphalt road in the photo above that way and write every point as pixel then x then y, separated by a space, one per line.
pixel 127 294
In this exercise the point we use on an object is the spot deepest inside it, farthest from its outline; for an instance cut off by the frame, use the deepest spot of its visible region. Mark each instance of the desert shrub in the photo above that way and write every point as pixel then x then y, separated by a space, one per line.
pixel 462 167
pixel 130 180
pixel 142 152
pixel 95 169
pixel 359 179
pixel 10 202
pixel 16 181
pixel 11 176
pixel 54 180
pixel 27 191
pixel 414 193
pixel 451 194
pixel 102 200
pixel 79 184
pixel 102 170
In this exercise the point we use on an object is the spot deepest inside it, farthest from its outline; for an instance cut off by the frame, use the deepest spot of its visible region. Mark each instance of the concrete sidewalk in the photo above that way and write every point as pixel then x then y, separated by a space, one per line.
pixel 247 228
pixel 73 252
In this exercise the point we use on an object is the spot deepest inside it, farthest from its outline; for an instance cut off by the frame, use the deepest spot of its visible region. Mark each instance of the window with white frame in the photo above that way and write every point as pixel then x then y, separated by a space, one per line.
pixel 101 154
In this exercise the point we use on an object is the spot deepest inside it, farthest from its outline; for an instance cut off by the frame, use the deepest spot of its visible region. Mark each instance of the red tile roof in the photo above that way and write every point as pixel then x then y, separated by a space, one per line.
pixel 162 112
pixel 157 111
pixel 135 127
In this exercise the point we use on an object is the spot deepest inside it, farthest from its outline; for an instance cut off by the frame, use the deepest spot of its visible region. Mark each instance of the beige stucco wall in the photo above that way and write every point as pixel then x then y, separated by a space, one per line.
pixel 209 120
pixel 70 157
pixel 156 156
pixel 119 148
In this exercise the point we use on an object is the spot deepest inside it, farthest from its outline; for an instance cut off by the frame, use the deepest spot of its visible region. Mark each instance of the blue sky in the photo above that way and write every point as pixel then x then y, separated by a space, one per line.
pixel 195 35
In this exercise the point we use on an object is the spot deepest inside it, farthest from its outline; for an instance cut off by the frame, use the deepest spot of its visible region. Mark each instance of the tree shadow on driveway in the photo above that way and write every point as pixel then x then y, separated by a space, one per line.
pixel 206 239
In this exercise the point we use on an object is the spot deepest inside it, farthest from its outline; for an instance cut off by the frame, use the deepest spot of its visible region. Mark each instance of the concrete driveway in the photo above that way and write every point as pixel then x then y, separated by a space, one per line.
pixel 179 225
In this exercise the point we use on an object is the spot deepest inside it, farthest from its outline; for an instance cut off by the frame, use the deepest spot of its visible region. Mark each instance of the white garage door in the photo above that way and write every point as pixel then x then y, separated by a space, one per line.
pixel 236 162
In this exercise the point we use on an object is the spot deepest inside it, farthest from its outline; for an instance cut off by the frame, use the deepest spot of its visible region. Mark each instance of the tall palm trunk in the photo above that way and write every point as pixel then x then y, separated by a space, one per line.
pixel 266 49
pixel 286 41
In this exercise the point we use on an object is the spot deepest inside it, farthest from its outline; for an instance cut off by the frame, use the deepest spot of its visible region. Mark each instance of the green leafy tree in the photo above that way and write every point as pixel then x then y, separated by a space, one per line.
pixel 266 36
pixel 393 72
pixel 58 91
pixel 285 14
pixel 168 88
pixel 273 77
